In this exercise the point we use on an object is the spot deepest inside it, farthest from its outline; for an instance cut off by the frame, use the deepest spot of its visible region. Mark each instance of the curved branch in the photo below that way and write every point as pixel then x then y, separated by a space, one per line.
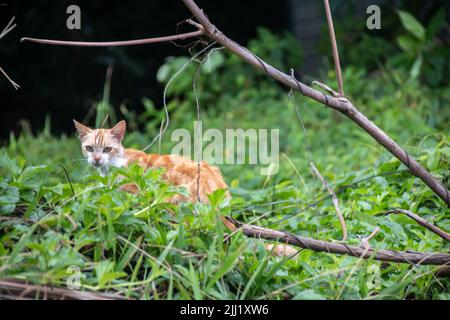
pixel 180 36
pixel 424 223
pixel 419 258
pixel 342 105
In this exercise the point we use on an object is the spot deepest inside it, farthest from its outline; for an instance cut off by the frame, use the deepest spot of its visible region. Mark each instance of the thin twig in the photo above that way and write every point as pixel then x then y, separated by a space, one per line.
pixel 365 242
pixel 8 28
pixel 335 201
pixel 15 85
pixel 305 133
pixel 326 88
pixel 424 223
pixel 334 47
pixel 180 36
pixel 72 222
pixel 195 24
pixel 161 130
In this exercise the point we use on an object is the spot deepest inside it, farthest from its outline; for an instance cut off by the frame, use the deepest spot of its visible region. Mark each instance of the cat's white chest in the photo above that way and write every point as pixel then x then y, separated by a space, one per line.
pixel 118 162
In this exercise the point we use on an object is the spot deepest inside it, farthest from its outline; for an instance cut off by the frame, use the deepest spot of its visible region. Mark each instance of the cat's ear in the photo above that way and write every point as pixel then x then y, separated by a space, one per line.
pixel 118 131
pixel 82 129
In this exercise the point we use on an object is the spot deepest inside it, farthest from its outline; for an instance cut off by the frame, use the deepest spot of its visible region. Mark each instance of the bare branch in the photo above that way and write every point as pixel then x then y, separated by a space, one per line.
pixel 15 85
pixel 337 64
pixel 342 105
pixel 424 223
pixel 416 258
pixel 335 201
pixel 180 36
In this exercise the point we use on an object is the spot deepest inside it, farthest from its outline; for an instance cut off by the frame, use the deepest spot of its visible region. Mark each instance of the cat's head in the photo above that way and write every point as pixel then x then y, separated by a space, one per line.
pixel 102 147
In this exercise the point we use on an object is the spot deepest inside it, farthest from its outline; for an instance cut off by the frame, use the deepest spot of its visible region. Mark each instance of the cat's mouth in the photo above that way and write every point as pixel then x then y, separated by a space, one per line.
pixel 97 165
pixel 102 168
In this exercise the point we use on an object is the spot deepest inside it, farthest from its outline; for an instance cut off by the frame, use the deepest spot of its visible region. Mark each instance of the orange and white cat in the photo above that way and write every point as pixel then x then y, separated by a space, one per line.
pixel 103 148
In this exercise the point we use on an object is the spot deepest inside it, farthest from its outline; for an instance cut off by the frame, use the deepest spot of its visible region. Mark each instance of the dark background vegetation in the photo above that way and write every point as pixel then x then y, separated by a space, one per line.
pixel 65 81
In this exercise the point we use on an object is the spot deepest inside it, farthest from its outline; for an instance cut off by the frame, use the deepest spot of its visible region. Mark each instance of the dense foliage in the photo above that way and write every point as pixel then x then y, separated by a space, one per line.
pixel 142 247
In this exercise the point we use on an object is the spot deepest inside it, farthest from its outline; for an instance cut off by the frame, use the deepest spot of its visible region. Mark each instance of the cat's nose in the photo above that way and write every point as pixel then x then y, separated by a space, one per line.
pixel 97 158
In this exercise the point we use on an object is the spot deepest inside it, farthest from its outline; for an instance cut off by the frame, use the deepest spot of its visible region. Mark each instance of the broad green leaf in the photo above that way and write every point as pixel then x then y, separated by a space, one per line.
pixel 9 196
pixel 396 290
pixel 408 44
pixel 412 25
pixel 9 164
pixel 415 69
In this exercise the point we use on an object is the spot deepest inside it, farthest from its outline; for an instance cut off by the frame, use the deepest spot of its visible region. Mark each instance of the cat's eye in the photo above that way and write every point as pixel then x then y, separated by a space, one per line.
pixel 89 149
pixel 107 149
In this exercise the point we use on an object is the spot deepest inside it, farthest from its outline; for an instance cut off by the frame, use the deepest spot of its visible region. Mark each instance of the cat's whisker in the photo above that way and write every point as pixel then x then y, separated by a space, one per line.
pixel 73 170
pixel 75 163
pixel 79 165
pixel 80 170
pixel 76 160
pixel 86 169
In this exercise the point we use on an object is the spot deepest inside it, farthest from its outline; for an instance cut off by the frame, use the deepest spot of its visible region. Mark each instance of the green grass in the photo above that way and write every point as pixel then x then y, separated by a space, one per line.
pixel 141 247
